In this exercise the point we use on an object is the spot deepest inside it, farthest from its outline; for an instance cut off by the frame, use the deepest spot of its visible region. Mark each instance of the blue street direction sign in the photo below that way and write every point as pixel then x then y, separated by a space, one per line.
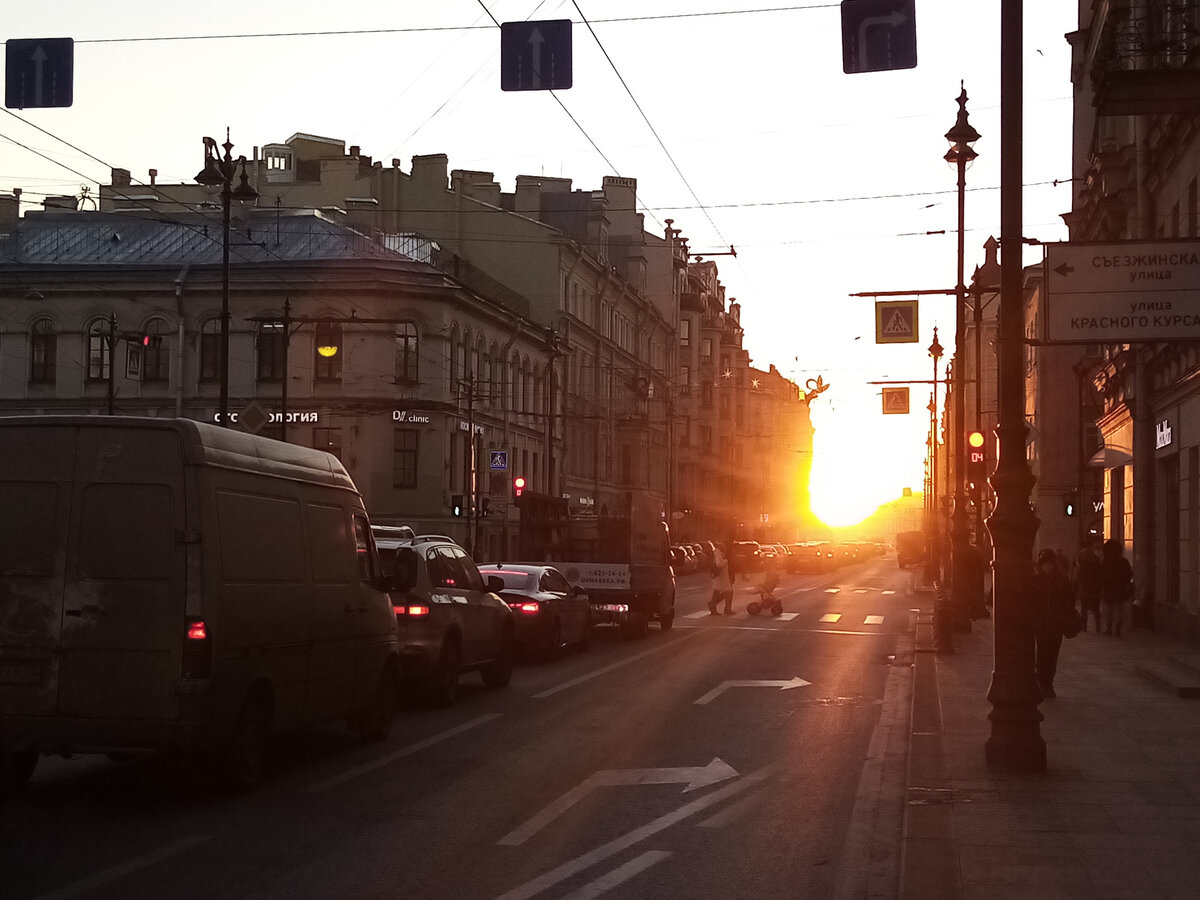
pixel 38 72
pixel 535 56
pixel 499 460
pixel 878 35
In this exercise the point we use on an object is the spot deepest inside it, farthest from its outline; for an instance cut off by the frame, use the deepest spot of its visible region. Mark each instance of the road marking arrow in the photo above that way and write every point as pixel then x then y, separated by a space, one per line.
pixel 721 688
pixel 693 776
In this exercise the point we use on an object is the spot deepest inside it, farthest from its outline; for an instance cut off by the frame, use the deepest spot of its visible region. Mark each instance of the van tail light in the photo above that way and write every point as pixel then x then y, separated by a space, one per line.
pixel 197 649
pixel 414 610
pixel 530 607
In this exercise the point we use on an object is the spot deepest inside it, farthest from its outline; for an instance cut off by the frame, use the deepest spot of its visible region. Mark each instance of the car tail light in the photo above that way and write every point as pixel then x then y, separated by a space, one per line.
pixel 197 649
pixel 531 607
pixel 410 610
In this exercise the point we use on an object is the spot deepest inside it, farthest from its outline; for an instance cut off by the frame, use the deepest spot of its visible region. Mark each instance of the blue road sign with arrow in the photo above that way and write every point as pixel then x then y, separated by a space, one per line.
pixel 39 72
pixel 535 56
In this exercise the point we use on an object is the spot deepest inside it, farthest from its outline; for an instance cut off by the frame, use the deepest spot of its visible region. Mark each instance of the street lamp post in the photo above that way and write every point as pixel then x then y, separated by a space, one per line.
pixel 219 172
pixel 942 639
pixel 960 155
pixel 1015 742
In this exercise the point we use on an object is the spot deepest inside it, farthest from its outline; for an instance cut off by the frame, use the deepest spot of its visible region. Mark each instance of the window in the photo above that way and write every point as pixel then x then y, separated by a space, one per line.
pixel 706 348
pixel 329 336
pixel 406 353
pixel 329 440
pixel 706 395
pixel 210 351
pixel 270 352
pixel 685 332
pixel 99 351
pixel 156 354
pixel 43 352
pixel 404 458
pixel 685 380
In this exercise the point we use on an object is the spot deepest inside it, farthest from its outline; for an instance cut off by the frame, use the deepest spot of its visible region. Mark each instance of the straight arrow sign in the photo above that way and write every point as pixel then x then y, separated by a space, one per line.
pixel 693 776
pixel 724 686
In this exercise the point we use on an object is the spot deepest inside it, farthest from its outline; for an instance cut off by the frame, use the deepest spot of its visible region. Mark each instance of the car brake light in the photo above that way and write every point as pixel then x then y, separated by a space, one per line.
pixel 404 610
pixel 529 607
pixel 197 649
pixel 197 630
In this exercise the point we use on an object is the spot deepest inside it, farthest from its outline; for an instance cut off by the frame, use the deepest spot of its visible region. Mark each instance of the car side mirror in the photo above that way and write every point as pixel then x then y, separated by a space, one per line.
pixel 495 584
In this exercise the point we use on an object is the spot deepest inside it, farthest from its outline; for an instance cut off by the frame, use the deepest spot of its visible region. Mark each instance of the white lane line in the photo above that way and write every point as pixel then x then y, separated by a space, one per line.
pixel 618 876
pixel 832 590
pixel 873 620
pixel 733 811
pixel 860 590
pixel 121 870
pixel 698 615
pixel 887 593
pixel 831 618
pixel 786 617
pixel 399 754
pixel 625 841
pixel 567 685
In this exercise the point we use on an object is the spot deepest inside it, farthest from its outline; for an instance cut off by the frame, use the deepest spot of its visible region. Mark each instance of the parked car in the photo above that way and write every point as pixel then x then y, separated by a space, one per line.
pixel 548 613
pixel 450 620
pixel 910 548
pixel 680 564
pixel 745 555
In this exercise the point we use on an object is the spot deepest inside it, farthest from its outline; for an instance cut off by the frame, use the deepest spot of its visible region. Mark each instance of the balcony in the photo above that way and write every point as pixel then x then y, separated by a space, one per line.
pixel 1143 57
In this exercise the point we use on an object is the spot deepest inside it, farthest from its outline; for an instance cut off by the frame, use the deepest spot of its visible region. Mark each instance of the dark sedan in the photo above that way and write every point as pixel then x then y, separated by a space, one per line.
pixel 549 614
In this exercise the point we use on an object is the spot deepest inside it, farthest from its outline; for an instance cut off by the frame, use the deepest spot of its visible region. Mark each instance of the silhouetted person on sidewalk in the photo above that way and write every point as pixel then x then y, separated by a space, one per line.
pixel 1089 579
pixel 1116 587
pixel 1054 604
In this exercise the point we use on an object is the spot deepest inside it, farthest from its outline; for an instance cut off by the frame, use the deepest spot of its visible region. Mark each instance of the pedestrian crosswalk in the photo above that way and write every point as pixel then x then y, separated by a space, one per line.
pixel 825 619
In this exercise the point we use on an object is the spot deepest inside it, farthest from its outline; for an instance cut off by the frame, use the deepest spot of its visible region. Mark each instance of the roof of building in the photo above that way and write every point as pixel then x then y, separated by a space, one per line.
pixel 145 237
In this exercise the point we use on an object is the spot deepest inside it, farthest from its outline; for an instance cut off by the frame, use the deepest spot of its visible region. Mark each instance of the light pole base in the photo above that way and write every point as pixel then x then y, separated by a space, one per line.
pixel 1016 743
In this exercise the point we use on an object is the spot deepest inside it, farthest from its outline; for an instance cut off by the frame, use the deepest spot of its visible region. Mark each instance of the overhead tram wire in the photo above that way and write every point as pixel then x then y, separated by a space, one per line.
pixel 439 28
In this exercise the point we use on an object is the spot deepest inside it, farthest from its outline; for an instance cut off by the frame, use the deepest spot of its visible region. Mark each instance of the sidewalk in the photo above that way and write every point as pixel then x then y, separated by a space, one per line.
pixel 1115 815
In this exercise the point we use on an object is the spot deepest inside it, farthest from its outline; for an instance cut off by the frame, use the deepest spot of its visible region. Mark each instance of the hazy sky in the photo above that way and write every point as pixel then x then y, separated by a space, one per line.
pixel 739 124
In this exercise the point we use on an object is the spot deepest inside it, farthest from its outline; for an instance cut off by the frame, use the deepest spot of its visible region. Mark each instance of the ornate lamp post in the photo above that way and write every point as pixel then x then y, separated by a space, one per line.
pixel 960 155
pixel 942 639
pixel 1015 742
pixel 219 172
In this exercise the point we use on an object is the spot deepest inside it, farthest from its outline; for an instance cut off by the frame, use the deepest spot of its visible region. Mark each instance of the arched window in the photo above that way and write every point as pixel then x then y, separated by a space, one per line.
pixel 210 350
pixel 43 352
pixel 99 349
pixel 269 350
pixel 328 350
pixel 406 353
pixel 156 353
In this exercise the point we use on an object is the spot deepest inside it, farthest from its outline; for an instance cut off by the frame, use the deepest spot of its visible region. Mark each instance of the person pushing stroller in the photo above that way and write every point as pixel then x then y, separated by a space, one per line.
pixel 766 593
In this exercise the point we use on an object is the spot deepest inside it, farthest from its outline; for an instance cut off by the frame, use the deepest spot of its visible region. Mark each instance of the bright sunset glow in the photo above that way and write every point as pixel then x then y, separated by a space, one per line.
pixel 862 461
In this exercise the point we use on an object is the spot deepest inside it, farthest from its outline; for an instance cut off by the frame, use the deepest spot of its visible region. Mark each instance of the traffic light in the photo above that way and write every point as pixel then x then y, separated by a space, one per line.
pixel 518 487
pixel 976 459
pixel 456 502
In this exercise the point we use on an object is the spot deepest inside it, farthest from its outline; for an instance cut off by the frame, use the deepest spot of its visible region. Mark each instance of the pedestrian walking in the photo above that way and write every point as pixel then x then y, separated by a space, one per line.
pixel 722 584
pixel 1089 580
pixel 1116 588
pixel 1055 606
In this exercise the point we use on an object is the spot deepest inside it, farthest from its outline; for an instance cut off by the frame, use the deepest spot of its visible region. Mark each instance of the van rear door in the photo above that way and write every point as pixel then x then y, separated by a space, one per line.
pixel 123 593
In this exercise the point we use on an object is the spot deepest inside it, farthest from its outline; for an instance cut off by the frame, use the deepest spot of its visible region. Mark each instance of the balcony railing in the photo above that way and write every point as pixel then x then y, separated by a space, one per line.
pixel 1144 57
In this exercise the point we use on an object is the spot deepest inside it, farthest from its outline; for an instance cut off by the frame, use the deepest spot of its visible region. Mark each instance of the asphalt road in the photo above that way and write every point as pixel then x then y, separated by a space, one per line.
pixel 722 759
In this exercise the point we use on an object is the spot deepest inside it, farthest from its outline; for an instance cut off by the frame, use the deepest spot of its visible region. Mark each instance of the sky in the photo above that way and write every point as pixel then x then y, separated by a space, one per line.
pixel 736 120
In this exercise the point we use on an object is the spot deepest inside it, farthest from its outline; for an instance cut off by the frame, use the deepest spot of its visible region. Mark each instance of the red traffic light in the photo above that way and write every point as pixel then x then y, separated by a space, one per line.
pixel 518 485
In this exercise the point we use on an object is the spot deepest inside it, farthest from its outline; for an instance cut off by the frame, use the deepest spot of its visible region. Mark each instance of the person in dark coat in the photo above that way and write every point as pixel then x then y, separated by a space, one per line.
pixel 1089 579
pixel 1052 588
pixel 1116 587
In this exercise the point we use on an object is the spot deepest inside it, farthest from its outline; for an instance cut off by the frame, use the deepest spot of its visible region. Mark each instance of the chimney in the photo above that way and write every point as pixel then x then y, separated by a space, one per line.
pixel 354 150
pixel 153 176
pixel 10 210
pixel 121 178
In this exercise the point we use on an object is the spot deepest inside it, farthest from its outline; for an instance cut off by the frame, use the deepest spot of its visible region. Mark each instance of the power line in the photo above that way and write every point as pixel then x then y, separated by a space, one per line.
pixel 437 28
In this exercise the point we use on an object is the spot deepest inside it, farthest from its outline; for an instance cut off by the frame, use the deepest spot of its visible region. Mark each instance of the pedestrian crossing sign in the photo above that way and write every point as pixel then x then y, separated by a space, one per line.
pixel 895 401
pixel 896 321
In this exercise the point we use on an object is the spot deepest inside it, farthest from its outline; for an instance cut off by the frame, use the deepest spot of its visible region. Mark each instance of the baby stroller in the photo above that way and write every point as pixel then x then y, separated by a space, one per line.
pixel 766 596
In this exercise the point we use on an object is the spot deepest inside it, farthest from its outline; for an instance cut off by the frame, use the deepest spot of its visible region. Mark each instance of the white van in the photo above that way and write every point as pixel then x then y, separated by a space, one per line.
pixel 167 584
